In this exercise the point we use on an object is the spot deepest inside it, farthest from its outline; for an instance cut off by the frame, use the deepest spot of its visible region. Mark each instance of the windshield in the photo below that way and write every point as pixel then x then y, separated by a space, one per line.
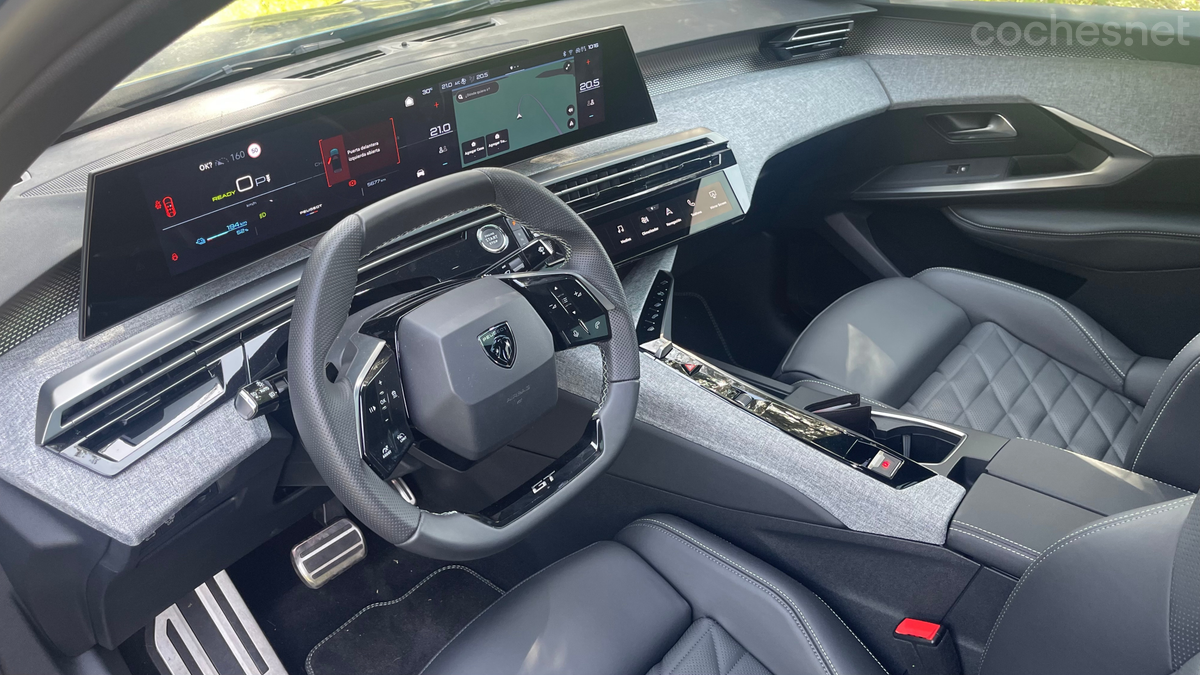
pixel 249 26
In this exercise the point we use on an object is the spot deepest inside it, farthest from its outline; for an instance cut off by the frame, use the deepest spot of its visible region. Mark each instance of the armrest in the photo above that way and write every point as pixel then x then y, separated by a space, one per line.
pixel 1120 240
pixel 1007 526
pixel 1031 495
pixel 1085 482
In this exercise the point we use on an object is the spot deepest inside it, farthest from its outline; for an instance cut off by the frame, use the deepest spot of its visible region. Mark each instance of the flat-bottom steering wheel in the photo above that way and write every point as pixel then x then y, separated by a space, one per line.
pixel 466 365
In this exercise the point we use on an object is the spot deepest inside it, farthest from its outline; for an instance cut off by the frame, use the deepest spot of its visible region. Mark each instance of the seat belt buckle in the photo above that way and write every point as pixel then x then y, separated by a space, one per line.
pixel 928 648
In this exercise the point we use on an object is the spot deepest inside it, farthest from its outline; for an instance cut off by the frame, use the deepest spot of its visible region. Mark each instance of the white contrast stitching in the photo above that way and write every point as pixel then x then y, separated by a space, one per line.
pixel 308 661
pixel 1063 543
pixel 1166 404
pixel 1078 325
pixel 1139 475
pixel 993 543
pixel 778 592
pixel 464 628
pixel 993 534
pixel 1069 234
pixel 798 616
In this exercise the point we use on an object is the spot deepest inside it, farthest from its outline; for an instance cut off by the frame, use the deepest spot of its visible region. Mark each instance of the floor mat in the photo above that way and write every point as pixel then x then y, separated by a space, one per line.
pixel 400 636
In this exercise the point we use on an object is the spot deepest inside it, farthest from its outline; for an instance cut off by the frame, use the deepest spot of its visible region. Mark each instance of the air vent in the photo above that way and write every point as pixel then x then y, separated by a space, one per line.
pixel 454 30
pixel 337 65
pixel 111 427
pixel 815 39
pixel 625 180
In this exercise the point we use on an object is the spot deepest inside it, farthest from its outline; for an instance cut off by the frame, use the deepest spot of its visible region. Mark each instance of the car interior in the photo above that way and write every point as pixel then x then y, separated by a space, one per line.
pixel 682 337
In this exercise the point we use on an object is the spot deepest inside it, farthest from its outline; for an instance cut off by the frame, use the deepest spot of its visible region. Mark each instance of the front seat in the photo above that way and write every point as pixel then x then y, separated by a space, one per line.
pixel 1121 595
pixel 992 355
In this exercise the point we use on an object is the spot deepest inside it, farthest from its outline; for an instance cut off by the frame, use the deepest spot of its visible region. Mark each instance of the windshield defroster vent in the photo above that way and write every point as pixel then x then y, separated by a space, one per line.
pixel 823 38
pixel 337 65
pixel 454 30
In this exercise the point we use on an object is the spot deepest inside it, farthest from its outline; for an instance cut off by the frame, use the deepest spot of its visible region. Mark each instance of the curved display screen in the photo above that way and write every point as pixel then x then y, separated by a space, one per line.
pixel 163 225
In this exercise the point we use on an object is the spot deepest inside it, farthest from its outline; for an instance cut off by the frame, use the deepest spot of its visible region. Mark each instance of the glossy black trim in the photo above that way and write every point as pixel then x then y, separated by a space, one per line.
pixel 548 481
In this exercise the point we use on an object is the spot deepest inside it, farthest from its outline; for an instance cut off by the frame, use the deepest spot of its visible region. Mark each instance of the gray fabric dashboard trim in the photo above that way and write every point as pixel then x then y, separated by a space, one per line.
pixel 130 506
pixel 791 105
pixel 672 403
pixel 1154 109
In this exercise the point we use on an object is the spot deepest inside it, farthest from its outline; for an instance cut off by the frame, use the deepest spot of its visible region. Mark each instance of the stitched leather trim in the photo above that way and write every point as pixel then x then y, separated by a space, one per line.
pixel 1042 233
pixel 763 584
pixel 1166 404
pixel 788 357
pixel 529 578
pixel 1067 541
pixel 1055 447
pixel 1095 344
pixel 993 543
pixel 1018 544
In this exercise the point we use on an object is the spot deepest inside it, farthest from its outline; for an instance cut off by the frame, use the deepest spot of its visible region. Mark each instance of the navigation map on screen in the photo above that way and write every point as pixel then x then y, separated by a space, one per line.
pixel 516 109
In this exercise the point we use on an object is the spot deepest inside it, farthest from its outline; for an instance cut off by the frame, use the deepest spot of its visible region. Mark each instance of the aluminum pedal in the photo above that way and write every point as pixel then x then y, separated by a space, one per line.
pixel 328 553
pixel 210 631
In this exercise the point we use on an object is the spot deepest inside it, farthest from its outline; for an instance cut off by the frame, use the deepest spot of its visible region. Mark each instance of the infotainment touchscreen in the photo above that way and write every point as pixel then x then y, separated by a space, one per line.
pixel 165 224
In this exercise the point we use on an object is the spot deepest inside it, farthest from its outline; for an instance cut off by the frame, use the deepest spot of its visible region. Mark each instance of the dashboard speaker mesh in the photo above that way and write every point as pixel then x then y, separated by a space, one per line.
pixel 885 35
pixel 45 301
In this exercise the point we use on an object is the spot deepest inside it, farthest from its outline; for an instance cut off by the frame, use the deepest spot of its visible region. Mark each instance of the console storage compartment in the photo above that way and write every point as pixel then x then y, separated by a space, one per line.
pixel 1031 495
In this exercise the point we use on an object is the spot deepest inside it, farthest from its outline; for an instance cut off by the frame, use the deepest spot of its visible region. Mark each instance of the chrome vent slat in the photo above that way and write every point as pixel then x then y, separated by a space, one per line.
pixel 805 41
pixel 610 176
pixel 809 37
pixel 685 172
pixel 630 178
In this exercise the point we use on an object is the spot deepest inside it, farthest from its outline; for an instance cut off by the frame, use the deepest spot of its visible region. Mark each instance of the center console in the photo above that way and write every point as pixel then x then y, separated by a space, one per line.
pixel 1021 496
pixel 894 448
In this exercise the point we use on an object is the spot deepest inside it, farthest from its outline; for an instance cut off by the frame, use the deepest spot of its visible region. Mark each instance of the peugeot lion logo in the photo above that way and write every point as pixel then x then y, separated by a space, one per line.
pixel 499 344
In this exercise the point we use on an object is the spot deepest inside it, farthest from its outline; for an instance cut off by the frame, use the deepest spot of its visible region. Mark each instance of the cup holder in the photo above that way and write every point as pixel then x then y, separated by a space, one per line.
pixel 923 441
pixel 918 442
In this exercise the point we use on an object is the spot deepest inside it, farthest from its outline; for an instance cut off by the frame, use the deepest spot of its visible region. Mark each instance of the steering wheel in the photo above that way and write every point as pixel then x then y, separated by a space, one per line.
pixel 466 365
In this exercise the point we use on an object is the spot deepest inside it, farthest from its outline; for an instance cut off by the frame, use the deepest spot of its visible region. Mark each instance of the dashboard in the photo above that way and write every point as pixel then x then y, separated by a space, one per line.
pixel 162 225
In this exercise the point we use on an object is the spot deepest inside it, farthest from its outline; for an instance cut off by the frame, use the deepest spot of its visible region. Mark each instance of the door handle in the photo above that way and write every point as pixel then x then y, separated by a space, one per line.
pixel 972 126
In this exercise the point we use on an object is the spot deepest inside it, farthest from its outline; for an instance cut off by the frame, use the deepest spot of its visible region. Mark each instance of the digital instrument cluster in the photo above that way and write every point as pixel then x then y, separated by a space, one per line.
pixel 160 226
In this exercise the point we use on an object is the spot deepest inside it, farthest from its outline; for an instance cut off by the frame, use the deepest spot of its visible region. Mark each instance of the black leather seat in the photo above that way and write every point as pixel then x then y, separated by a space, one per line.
pixel 1121 595
pixel 665 597
pixel 989 354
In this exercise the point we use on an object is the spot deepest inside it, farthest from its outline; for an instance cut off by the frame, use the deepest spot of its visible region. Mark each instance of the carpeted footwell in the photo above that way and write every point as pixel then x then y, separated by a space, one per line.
pixel 400 636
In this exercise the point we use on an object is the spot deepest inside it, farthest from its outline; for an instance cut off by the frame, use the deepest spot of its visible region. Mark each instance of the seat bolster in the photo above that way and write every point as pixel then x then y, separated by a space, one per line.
pixel 782 624
pixel 600 610
pixel 1142 377
pixel 1050 324
pixel 1096 602
pixel 881 340
pixel 1164 446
